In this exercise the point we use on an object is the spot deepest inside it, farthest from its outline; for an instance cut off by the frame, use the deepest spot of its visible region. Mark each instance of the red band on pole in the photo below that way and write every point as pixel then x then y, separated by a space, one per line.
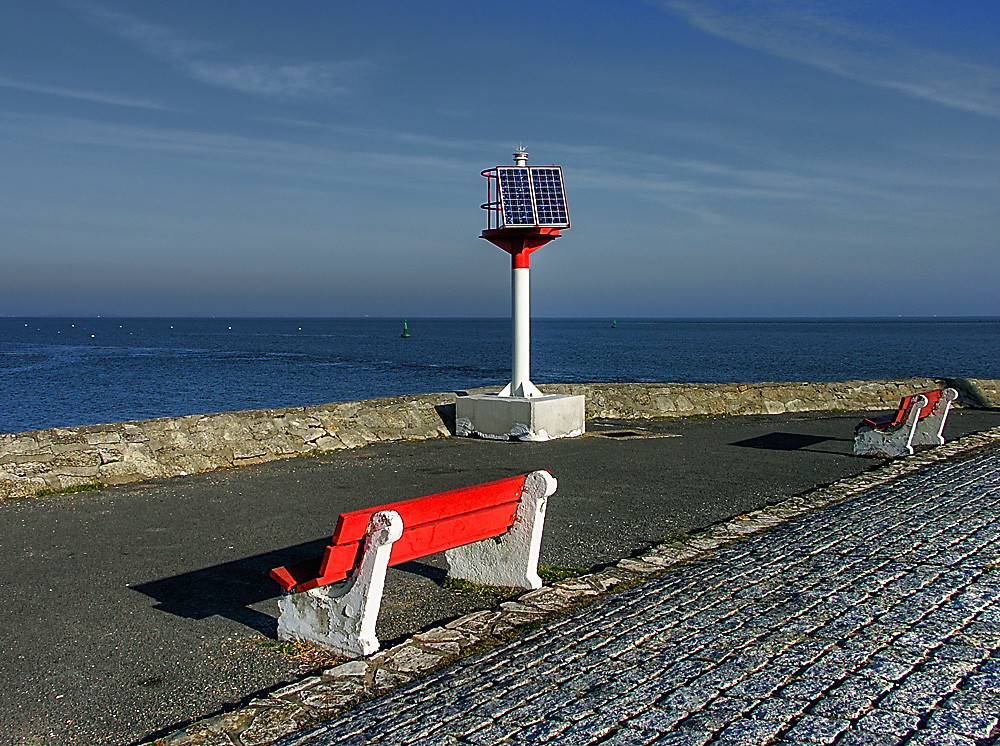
pixel 519 243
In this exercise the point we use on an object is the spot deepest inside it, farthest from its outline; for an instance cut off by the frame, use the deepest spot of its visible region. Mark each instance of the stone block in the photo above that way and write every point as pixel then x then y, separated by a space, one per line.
pixel 75 471
pixel 117 472
pixel 353 439
pixel 684 405
pixel 20 487
pixel 305 430
pixel 194 463
pixel 328 443
pixel 104 437
pixel 76 459
pixel 133 433
pixel 246 450
pixel 27 468
pixel 535 418
pixel 142 461
pixel 19 446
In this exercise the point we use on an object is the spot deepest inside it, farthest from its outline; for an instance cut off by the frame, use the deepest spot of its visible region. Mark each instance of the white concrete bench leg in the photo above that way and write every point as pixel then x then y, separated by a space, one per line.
pixel 342 617
pixel 512 559
pixel 890 442
pixel 930 430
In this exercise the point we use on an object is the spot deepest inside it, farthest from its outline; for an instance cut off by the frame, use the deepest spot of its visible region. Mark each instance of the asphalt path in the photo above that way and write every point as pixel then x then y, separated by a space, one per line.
pixel 133 610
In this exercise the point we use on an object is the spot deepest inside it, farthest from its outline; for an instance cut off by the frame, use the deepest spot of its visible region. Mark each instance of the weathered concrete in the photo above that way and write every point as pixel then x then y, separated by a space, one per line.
pixel 342 617
pixel 125 452
pixel 511 559
pixel 533 418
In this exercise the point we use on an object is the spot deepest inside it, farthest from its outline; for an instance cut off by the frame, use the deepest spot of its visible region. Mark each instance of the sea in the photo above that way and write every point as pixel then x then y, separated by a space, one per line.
pixel 61 372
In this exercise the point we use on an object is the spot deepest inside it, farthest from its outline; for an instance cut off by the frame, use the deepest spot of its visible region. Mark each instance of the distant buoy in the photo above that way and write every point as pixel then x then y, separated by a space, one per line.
pixel 406 332
pixel 614 323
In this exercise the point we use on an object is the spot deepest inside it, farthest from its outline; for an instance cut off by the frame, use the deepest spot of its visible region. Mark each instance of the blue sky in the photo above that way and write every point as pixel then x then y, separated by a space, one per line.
pixel 721 158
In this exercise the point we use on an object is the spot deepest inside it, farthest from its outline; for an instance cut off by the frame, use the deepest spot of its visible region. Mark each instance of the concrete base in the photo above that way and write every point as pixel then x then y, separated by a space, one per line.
pixel 520 418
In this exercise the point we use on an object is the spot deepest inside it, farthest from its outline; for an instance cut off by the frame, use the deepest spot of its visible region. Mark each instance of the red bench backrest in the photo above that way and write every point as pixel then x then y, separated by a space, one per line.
pixel 432 523
pixel 904 404
pixel 932 398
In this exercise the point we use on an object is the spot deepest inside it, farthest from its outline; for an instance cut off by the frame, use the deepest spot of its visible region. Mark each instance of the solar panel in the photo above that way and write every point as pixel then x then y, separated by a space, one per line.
pixel 550 200
pixel 531 196
pixel 515 196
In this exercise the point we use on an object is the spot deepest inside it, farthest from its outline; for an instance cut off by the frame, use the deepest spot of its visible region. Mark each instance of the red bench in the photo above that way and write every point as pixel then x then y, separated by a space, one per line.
pixel 490 533
pixel 918 420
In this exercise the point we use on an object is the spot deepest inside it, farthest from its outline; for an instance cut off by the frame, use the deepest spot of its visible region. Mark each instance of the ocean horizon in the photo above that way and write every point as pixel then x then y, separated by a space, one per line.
pixel 67 371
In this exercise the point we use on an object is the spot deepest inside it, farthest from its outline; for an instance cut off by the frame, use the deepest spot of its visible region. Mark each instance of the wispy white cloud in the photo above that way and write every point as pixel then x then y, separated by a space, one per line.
pixel 272 80
pixel 800 32
pixel 95 96
pixel 268 156
pixel 704 186
pixel 718 192
pixel 199 60
pixel 395 136
pixel 156 40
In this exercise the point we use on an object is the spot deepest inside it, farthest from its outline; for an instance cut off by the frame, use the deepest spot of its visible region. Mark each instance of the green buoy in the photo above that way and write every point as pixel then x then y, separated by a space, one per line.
pixel 406 332
pixel 614 323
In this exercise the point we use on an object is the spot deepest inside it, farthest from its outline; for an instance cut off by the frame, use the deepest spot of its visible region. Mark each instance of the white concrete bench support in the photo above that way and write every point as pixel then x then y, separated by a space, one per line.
pixel 342 617
pixel 512 559
pixel 930 429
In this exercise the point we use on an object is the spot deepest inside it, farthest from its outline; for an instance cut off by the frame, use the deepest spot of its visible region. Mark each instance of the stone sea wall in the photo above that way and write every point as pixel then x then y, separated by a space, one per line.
pixel 642 400
pixel 61 458
pixel 174 446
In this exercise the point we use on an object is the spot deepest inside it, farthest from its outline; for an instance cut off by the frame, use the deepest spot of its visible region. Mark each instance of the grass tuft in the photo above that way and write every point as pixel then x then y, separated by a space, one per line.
pixel 474 590
pixel 308 657
pixel 503 593
pixel 70 490
pixel 553 574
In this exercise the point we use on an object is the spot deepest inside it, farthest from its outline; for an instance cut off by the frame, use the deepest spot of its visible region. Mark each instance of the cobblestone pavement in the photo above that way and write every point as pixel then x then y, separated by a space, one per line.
pixel 874 621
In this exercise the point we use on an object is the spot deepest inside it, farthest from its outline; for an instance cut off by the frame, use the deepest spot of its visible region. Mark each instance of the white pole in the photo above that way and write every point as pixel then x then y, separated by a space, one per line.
pixel 520 375
pixel 521 316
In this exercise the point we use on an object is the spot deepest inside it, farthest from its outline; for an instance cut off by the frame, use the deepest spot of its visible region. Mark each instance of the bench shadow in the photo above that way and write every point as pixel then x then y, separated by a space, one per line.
pixel 413 567
pixel 792 442
pixel 231 589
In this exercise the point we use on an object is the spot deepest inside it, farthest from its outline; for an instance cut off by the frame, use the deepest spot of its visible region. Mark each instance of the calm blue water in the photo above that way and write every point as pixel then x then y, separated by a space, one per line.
pixel 63 372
